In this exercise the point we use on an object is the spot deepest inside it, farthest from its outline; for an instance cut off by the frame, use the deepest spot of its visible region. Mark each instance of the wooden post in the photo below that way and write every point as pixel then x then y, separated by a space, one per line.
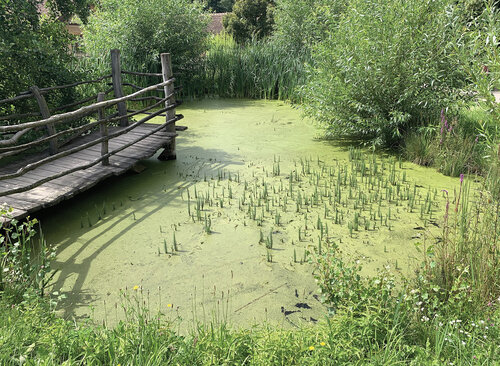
pixel 166 68
pixel 116 75
pixel 104 129
pixel 44 111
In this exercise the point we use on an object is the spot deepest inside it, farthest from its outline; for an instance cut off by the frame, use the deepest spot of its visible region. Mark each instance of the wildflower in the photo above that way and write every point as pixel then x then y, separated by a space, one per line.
pixel 322 344
pixel 136 288
pixel 311 348
pixel 461 178
pixel 169 305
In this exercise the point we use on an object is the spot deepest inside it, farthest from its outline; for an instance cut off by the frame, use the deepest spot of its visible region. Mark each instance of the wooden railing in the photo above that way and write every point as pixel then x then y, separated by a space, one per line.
pixel 10 145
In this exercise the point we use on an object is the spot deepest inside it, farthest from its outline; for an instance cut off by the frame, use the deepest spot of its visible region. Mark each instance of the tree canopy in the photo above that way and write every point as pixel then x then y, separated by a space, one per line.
pixel 250 19
pixel 34 47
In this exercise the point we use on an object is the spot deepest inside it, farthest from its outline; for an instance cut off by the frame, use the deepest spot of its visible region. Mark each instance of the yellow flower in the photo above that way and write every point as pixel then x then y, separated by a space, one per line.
pixel 311 348
pixel 322 344
pixel 136 288
pixel 169 305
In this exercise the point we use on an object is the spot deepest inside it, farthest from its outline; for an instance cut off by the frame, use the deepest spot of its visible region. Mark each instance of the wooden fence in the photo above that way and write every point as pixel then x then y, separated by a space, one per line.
pixel 12 134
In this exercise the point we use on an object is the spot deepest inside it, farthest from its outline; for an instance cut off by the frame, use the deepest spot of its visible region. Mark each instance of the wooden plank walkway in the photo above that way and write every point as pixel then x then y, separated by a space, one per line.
pixel 65 187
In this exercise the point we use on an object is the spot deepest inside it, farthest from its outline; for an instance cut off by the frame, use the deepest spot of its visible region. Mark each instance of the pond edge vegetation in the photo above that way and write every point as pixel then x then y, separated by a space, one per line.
pixel 429 98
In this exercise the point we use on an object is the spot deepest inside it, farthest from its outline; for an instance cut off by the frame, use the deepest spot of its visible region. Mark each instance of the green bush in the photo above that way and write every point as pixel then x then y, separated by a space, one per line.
pixel 33 51
pixel 250 19
pixel 219 6
pixel 142 30
pixel 300 24
pixel 480 59
pixel 386 68
pixel 24 259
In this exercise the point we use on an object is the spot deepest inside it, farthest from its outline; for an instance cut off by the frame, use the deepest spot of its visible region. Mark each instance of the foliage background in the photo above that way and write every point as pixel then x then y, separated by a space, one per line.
pixel 33 49
pixel 386 67
pixel 143 30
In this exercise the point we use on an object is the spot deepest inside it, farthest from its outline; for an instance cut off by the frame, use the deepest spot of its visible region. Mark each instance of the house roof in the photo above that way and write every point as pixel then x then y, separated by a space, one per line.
pixel 215 26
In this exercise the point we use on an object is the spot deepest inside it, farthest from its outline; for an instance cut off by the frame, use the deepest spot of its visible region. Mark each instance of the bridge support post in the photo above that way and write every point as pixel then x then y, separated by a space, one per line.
pixel 44 111
pixel 104 130
pixel 166 67
pixel 116 76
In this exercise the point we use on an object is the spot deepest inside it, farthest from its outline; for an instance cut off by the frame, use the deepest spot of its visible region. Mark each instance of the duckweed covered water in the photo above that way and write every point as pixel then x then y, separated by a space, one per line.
pixel 231 229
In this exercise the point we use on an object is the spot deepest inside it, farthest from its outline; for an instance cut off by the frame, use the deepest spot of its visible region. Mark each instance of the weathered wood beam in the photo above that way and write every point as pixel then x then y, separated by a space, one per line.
pixel 116 76
pixel 64 117
pixel 91 164
pixel 44 111
pixel 169 89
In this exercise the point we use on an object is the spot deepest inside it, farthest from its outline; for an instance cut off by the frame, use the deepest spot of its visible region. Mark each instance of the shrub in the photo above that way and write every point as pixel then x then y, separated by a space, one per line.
pixel 250 19
pixel 33 51
pixel 24 259
pixel 144 29
pixel 386 68
pixel 300 24
pixel 219 6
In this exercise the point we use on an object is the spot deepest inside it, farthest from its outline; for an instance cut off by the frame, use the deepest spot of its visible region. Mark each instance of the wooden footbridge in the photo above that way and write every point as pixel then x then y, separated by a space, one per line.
pixel 56 156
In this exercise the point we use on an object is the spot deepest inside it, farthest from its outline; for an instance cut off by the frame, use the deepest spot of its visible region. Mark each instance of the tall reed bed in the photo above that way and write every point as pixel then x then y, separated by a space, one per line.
pixel 260 69
pixel 467 257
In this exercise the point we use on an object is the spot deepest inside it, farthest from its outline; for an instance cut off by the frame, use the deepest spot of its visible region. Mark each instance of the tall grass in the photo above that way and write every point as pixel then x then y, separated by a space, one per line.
pixel 457 145
pixel 378 330
pixel 468 256
pixel 260 69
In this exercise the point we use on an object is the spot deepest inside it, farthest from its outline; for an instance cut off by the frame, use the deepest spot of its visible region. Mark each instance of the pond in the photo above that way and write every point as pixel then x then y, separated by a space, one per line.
pixel 231 229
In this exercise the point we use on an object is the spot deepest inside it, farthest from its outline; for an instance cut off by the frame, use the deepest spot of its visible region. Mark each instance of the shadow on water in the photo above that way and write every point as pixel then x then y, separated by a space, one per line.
pixel 154 196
